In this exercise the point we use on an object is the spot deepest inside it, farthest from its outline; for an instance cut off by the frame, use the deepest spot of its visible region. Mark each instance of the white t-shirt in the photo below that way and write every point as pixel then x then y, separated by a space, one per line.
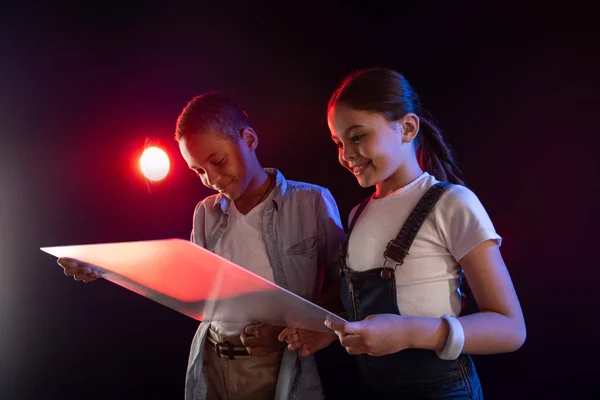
pixel 243 243
pixel 428 280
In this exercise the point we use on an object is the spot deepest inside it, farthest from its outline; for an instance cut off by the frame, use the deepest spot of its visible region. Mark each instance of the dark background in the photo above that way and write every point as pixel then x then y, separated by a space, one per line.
pixel 82 87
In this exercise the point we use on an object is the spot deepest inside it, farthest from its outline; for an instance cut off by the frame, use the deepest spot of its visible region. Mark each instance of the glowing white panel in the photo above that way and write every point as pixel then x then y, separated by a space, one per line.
pixel 196 282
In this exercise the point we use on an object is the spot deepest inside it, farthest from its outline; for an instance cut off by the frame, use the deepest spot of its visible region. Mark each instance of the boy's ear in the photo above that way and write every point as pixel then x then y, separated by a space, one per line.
pixel 249 138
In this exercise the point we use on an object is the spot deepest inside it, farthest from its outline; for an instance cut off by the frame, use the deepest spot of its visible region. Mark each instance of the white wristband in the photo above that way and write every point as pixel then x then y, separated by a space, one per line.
pixel 455 341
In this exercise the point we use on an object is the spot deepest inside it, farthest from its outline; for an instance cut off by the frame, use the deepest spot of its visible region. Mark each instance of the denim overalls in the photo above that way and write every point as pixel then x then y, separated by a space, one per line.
pixel 411 373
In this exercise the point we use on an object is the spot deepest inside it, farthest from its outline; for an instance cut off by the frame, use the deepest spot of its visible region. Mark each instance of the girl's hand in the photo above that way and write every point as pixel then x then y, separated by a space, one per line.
pixel 376 335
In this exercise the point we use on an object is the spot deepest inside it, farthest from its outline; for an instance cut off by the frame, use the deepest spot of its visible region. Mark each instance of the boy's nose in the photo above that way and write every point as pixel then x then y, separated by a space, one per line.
pixel 212 179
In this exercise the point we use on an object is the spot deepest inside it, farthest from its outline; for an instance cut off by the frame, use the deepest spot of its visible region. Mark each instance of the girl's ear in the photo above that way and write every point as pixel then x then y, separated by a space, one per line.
pixel 410 127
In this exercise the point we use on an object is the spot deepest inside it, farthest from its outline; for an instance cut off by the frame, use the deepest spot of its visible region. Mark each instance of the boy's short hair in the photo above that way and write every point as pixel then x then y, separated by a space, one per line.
pixel 214 112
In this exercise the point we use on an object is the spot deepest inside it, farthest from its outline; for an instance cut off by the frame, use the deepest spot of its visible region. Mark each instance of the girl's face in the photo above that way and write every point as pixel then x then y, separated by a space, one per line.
pixel 369 146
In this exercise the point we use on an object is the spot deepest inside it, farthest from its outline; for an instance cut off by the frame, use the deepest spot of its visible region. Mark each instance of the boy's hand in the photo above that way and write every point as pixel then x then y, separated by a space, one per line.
pixel 78 270
pixel 261 339
pixel 306 342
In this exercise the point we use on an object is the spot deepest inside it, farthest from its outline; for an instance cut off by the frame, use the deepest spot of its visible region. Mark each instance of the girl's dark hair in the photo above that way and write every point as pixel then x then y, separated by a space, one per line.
pixel 388 93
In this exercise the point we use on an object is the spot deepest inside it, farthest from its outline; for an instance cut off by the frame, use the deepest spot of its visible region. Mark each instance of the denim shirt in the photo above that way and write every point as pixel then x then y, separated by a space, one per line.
pixel 302 232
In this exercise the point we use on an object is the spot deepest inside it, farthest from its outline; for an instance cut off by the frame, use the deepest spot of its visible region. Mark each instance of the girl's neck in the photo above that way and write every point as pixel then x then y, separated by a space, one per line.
pixel 404 175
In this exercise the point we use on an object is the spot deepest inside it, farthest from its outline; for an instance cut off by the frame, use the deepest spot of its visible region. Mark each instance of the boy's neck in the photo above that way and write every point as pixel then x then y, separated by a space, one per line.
pixel 258 190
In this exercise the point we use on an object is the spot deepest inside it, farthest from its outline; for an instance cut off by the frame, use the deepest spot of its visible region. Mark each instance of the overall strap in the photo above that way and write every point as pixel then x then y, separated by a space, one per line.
pixel 359 211
pixel 397 249
pixel 344 245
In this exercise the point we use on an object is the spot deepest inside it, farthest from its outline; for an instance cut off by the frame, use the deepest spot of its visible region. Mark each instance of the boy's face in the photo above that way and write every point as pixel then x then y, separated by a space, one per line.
pixel 221 164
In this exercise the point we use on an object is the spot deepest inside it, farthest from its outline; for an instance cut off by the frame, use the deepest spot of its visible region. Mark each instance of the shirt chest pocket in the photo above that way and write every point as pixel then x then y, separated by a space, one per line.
pixel 306 248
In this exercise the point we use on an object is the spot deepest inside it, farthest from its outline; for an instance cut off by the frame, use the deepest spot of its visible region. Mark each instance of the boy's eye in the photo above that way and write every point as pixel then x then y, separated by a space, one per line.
pixel 219 161
pixel 355 138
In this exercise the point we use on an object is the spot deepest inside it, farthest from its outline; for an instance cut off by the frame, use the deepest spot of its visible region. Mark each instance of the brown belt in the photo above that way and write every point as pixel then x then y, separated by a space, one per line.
pixel 226 349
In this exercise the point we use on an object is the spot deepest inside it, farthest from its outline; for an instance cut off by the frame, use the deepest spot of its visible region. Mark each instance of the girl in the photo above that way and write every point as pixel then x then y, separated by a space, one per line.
pixel 408 248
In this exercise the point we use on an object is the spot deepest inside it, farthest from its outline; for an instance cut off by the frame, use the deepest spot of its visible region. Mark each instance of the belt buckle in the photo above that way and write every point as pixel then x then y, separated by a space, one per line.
pixel 229 350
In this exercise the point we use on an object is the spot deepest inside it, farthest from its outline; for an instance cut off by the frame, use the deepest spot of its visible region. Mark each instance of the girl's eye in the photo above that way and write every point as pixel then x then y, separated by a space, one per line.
pixel 355 138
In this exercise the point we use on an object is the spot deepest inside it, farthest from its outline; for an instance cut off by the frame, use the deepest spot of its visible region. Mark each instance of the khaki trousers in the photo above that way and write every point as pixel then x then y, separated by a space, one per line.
pixel 243 378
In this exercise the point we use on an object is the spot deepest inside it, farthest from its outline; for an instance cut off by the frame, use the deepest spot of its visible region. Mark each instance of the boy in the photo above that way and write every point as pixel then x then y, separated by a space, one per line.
pixel 285 231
